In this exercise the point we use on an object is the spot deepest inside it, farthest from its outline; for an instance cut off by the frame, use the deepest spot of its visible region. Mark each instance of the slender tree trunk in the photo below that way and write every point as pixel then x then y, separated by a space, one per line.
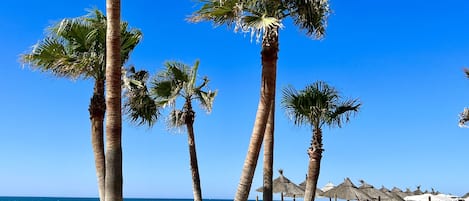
pixel 269 65
pixel 97 110
pixel 267 191
pixel 315 155
pixel 189 121
pixel 113 178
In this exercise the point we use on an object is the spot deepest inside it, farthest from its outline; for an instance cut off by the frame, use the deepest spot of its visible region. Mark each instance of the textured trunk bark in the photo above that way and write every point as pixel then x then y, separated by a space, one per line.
pixel 189 121
pixel 315 155
pixel 113 178
pixel 269 65
pixel 267 193
pixel 97 110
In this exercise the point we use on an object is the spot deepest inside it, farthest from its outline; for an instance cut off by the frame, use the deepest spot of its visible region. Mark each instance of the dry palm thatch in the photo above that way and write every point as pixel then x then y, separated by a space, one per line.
pixel 347 191
pixel 373 192
pixel 284 186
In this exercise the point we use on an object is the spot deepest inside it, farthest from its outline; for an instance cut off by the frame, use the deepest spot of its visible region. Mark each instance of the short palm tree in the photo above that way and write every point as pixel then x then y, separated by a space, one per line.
pixel 176 81
pixel 317 105
pixel 75 48
pixel 263 18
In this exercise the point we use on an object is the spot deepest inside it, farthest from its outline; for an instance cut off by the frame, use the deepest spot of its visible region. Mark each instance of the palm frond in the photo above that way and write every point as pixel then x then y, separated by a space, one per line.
pixel 50 55
pixel 261 24
pixel 206 99
pixel 292 102
pixel 139 105
pixel 176 119
pixel 310 15
pixel 464 118
pixel 218 11
pixel 342 112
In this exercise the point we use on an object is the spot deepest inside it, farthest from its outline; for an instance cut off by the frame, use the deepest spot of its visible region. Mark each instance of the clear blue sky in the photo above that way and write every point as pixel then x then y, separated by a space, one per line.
pixel 403 59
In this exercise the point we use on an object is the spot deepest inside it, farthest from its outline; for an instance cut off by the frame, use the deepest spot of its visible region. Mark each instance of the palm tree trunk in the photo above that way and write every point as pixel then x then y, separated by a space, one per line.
pixel 189 121
pixel 97 109
pixel 269 66
pixel 267 191
pixel 113 178
pixel 315 155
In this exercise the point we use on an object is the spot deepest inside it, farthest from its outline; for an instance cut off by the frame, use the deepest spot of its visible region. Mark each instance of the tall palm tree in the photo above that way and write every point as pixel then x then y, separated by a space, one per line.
pixel 178 80
pixel 263 18
pixel 317 105
pixel 113 180
pixel 75 48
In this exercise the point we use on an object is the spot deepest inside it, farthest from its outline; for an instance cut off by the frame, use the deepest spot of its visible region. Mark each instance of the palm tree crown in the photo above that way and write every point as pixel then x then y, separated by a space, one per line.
pixel 262 17
pixel 179 80
pixel 76 47
pixel 318 104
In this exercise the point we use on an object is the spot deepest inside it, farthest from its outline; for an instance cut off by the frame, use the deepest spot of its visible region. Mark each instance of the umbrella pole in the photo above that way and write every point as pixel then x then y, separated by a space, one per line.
pixel 281 196
pixel 257 197
pixel 294 197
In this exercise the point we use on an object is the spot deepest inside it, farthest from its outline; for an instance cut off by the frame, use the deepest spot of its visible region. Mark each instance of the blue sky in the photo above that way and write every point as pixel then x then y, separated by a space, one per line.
pixel 403 59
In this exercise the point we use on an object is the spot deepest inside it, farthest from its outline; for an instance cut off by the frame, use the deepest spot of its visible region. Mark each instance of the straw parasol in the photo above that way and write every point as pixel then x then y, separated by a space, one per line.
pixel 373 192
pixel 408 192
pixel 302 185
pixel 398 192
pixel 347 191
pixel 391 194
pixel 418 191
pixel 284 186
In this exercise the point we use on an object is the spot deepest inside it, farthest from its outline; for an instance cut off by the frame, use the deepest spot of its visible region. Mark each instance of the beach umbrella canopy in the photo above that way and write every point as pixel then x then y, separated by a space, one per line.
pixel 399 192
pixel 418 191
pixel 373 192
pixel 347 191
pixel 410 193
pixel 284 186
pixel 391 194
pixel 302 185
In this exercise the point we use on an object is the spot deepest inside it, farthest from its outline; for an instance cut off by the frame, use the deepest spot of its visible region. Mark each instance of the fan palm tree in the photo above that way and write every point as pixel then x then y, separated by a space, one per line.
pixel 263 18
pixel 113 179
pixel 177 80
pixel 317 105
pixel 75 48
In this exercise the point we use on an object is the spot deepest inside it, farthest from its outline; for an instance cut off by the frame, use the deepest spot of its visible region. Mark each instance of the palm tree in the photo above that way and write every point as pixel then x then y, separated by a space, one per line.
pixel 113 180
pixel 263 18
pixel 317 105
pixel 75 48
pixel 178 80
pixel 464 116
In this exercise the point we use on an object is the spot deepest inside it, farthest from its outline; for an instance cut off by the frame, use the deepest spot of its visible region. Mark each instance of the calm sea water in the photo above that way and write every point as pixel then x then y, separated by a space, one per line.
pixel 90 199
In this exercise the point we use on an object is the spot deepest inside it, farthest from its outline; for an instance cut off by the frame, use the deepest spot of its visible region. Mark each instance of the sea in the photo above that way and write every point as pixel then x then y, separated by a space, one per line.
pixel 94 199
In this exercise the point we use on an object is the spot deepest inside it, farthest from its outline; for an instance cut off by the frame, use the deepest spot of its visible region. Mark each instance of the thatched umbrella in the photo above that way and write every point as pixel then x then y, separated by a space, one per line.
pixel 302 185
pixel 347 191
pixel 418 191
pixel 399 192
pixel 373 192
pixel 395 196
pixel 408 192
pixel 284 186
